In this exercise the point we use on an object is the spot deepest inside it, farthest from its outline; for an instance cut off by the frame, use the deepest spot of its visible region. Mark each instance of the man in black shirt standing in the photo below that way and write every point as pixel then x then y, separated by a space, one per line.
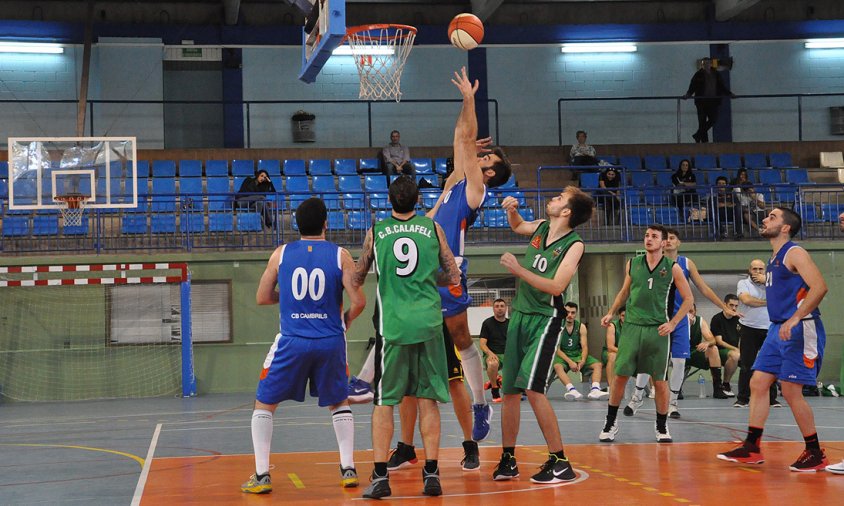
pixel 726 332
pixel 493 340
pixel 708 88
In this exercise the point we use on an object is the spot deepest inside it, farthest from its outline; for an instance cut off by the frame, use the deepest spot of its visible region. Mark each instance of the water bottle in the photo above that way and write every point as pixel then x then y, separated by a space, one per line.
pixel 701 383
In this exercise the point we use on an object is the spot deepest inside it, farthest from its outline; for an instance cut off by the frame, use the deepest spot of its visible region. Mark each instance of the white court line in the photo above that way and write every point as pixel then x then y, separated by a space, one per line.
pixel 142 479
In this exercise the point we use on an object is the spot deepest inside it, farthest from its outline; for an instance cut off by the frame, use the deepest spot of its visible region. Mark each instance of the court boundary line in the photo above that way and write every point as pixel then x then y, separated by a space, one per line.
pixel 142 479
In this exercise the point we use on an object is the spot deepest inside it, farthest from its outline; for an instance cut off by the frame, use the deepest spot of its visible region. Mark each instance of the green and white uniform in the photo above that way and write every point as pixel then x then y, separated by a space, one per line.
pixel 570 346
pixel 651 298
pixel 698 358
pixel 409 350
pixel 534 331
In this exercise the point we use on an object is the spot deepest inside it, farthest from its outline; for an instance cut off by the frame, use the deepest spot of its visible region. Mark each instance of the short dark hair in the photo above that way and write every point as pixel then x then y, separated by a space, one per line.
pixel 789 217
pixel 621 309
pixel 403 194
pixel 394 132
pixel 659 228
pixel 580 132
pixel 264 171
pixel 496 301
pixel 721 178
pixel 311 216
pixel 673 231
pixel 729 297
pixel 571 304
pixel 502 169
pixel 580 204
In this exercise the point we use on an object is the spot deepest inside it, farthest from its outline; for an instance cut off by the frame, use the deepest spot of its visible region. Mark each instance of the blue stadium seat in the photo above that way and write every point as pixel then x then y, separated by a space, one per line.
pixel 296 167
pixel 272 166
pixel 756 160
pixel 379 201
pixel 640 215
pixel 15 225
pixel 163 168
pixel 370 165
pixel 249 222
pixel 495 218
pixel 809 213
pixel 296 199
pixel 163 223
pixel 674 161
pixel 656 196
pixel 589 180
pixel 641 179
pixel 360 220
pixel 785 194
pixel 349 183
pixel 190 168
pixel 781 160
pixel 219 193
pixel 336 220
pixel 440 166
pixel 190 191
pixel 510 183
pixel 713 175
pixel 133 223
pixel 319 167
pixel 610 159
pixel 830 212
pixel 797 176
pixel 45 224
pixel 770 176
pixel 527 214
pixel 705 162
pixel 729 161
pixel 429 198
pixel 663 179
pixel 142 170
pixel 243 168
pixel 4 170
pixel 192 223
pixel 220 221
pixel 293 184
pixel 4 189
pixel 492 198
pixel 655 162
pixel 163 194
pixel 382 214
pixel 422 165
pixel 634 196
pixel 630 162
pixel 325 186
pixel 667 215
pixel 81 229
pixel 345 166
pixel 216 168
pixel 114 188
pixel 517 194
pixel 375 183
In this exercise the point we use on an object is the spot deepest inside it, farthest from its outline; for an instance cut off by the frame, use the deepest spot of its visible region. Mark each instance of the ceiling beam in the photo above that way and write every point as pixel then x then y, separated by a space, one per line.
pixel 728 9
pixel 484 8
pixel 231 9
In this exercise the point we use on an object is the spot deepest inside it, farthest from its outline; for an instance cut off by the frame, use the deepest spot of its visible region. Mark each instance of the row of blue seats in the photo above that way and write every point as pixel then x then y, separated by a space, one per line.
pixel 786 193
pixel 723 161
pixel 670 215
pixel 663 179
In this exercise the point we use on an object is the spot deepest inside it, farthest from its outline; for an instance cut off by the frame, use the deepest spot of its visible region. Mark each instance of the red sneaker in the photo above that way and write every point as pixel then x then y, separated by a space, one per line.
pixel 487 385
pixel 810 461
pixel 744 454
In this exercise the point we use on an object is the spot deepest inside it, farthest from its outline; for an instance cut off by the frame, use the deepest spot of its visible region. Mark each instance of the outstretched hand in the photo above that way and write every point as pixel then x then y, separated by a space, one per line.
pixel 466 87
pixel 482 145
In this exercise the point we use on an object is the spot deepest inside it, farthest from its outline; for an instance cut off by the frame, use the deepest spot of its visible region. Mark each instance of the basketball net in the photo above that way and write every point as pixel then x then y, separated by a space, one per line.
pixel 72 207
pixel 380 52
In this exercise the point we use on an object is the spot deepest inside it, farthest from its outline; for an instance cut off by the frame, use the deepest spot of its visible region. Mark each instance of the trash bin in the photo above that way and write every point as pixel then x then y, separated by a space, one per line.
pixel 836 120
pixel 302 125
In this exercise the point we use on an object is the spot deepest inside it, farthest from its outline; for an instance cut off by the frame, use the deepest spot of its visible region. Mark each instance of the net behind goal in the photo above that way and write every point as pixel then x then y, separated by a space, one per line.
pixel 75 332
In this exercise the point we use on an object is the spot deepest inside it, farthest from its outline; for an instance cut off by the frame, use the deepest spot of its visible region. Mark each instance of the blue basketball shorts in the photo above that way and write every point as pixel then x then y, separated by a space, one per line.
pixel 680 345
pixel 455 298
pixel 294 362
pixel 797 360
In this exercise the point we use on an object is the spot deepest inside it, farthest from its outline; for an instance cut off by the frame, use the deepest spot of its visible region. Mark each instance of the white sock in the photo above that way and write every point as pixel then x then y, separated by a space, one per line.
pixel 597 385
pixel 367 370
pixel 344 429
pixel 262 437
pixel 569 386
pixel 473 372
pixel 675 381
pixel 642 381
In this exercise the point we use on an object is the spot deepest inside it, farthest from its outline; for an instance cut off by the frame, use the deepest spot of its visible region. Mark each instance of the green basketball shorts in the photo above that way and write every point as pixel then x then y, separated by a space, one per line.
pixel 643 351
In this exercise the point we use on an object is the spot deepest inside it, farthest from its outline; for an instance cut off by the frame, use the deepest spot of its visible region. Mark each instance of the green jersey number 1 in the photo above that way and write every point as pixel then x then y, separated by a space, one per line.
pixel 650 283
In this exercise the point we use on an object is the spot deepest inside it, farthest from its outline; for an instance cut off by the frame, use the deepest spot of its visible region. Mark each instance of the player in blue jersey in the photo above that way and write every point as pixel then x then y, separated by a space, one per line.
pixel 311 275
pixel 680 348
pixel 793 349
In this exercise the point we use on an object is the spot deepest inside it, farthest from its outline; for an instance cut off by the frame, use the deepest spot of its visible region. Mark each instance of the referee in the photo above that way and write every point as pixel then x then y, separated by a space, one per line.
pixel 753 328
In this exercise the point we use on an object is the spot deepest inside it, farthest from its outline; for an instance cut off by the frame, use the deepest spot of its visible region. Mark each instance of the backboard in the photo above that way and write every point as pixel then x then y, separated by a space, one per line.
pixel 103 169
pixel 323 32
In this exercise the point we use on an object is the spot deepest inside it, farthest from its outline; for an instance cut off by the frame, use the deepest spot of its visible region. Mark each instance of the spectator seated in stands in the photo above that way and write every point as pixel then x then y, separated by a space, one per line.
pixel 582 153
pixel 610 196
pixel 684 192
pixel 724 208
pixel 252 195
pixel 751 204
pixel 396 157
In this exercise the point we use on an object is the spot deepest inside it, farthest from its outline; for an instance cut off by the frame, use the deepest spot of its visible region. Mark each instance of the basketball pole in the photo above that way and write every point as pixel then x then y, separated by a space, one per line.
pixel 188 376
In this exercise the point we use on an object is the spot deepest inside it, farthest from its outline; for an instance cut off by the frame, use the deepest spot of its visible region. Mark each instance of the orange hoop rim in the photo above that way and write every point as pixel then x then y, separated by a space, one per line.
pixel 72 201
pixel 408 30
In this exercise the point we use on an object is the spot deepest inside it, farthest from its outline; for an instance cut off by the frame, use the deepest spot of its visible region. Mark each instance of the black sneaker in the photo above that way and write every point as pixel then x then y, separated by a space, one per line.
pixel 809 461
pixel 431 482
pixel 471 458
pixel 740 404
pixel 379 486
pixel 403 456
pixel 554 470
pixel 717 393
pixel 506 468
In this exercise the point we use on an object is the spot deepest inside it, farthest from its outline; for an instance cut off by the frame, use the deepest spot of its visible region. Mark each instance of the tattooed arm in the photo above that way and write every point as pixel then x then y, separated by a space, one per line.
pixel 450 273
pixel 365 260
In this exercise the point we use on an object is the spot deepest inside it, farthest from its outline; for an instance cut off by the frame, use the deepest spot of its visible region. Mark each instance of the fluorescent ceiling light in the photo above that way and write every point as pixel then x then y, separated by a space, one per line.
pixel 346 50
pixel 31 47
pixel 603 47
pixel 824 43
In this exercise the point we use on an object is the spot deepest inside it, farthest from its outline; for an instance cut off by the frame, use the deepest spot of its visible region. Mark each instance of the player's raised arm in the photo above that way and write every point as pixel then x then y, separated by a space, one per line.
pixel 267 293
pixel 558 284
pixel 367 256
pixel 517 223
pixel 708 292
pixel 357 299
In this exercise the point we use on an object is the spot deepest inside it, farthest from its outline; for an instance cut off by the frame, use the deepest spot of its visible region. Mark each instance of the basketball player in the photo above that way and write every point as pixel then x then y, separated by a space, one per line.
pixel 610 351
pixel 311 274
pixel 407 250
pixel 680 349
pixel 573 355
pixel 838 468
pixel 650 281
pixel 533 335
pixel 793 350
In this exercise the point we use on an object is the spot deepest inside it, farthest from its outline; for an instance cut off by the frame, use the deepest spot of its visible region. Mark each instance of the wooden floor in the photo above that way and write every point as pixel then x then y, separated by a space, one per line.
pixel 628 474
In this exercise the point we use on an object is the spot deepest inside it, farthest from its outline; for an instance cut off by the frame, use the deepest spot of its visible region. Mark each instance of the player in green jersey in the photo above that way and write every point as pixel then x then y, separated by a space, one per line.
pixel 610 351
pixel 650 281
pixel 573 355
pixel 407 251
pixel 538 315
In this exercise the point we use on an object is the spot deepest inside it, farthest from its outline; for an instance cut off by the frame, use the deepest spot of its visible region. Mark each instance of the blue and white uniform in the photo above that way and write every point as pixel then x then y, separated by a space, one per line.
pixel 311 344
pixel 455 217
pixel 797 360
pixel 680 346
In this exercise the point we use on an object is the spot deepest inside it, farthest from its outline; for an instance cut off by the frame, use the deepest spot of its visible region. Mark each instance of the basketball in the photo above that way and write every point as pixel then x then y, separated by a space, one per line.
pixel 465 31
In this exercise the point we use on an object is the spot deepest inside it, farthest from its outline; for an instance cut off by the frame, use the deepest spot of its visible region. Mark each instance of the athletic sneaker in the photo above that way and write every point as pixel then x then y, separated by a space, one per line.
pixel 349 477
pixel 663 437
pixel 608 434
pixel 554 470
pixel 497 399
pixel 471 458
pixel 810 461
pixel 652 393
pixel 635 403
pixel 379 486
pixel 727 389
pixel 740 404
pixel 506 468
pixel 359 391
pixel 776 404
pixel 483 415
pixel 256 485
pixel 836 468
pixel 403 456
pixel 431 483
pixel 717 393
pixel 744 454
pixel 597 394
pixel 673 412
pixel 572 394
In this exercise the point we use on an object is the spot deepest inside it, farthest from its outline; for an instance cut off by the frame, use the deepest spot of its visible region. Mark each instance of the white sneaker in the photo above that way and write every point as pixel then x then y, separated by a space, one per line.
pixel 652 393
pixel 836 468
pixel 673 412
pixel 635 403
pixel 663 437
pixel 573 395
pixel 609 435
pixel 596 394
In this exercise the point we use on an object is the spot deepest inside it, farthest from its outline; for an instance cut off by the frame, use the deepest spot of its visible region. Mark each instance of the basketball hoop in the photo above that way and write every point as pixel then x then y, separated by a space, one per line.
pixel 380 52
pixel 72 205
